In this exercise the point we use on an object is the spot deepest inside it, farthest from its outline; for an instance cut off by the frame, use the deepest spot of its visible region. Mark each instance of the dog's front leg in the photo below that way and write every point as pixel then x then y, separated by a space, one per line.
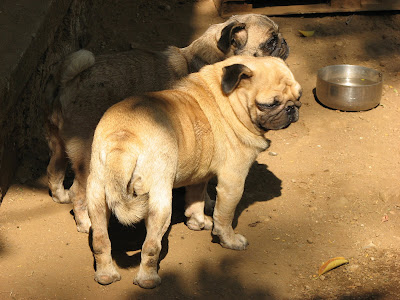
pixel 229 192
pixel 157 223
pixel 195 198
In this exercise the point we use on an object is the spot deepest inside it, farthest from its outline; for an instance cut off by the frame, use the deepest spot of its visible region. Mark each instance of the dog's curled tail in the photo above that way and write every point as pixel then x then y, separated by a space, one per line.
pixel 126 195
pixel 74 64
pixel 66 70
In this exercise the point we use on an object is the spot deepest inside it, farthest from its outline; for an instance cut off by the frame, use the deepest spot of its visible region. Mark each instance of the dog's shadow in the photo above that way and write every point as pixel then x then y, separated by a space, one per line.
pixel 261 185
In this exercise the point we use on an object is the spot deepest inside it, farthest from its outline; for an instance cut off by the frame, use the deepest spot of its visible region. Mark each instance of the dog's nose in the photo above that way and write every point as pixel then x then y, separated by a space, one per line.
pixel 290 110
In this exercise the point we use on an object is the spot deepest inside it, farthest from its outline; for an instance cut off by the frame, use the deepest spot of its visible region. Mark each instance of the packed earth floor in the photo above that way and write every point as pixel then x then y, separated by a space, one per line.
pixel 327 187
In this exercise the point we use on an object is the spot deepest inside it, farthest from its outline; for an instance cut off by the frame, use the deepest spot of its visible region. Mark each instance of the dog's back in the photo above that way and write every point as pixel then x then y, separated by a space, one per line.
pixel 86 89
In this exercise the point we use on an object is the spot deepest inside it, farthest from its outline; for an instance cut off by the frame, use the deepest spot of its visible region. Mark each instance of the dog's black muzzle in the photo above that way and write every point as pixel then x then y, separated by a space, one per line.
pixel 281 49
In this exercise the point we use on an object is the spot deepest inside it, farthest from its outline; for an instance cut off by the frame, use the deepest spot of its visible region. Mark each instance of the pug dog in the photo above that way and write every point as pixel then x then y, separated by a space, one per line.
pixel 213 123
pixel 83 87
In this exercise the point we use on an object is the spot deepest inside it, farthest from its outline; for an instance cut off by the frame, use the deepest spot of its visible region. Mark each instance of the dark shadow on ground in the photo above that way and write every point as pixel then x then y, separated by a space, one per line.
pixel 2 246
pixel 261 185
pixel 222 282
pixel 212 282
pixel 373 295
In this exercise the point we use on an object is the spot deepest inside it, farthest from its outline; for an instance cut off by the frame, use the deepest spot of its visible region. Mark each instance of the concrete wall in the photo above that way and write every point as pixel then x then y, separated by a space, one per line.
pixel 33 36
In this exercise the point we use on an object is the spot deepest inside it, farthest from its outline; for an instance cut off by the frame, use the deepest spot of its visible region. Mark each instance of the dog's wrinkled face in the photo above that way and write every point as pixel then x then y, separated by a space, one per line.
pixel 267 89
pixel 253 35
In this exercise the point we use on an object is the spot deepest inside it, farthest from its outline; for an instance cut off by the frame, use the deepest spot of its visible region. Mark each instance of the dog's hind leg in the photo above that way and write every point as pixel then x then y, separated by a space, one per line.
pixel 78 197
pixel 157 223
pixel 99 212
pixel 57 165
pixel 196 198
pixel 77 194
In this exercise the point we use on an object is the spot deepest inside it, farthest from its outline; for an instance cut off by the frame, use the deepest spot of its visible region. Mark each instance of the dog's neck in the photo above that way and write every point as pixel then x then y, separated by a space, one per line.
pixel 200 53
pixel 249 134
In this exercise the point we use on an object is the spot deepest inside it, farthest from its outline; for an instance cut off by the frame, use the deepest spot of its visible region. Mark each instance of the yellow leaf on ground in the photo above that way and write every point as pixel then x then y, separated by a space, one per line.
pixel 307 33
pixel 331 264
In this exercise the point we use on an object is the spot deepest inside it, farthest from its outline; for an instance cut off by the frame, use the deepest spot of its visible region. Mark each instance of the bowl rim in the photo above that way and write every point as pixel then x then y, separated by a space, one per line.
pixel 379 73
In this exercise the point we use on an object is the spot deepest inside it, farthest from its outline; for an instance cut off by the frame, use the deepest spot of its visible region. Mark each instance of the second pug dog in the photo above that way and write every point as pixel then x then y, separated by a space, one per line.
pixel 80 82
pixel 212 124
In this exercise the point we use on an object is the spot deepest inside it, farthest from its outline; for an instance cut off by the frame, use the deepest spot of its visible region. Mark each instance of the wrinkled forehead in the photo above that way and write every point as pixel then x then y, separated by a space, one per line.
pixel 283 69
pixel 260 32
pixel 258 22
pixel 259 35
pixel 274 75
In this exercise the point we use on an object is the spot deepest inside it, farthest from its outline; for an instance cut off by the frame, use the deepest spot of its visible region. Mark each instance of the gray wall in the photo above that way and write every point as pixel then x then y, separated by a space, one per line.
pixel 34 35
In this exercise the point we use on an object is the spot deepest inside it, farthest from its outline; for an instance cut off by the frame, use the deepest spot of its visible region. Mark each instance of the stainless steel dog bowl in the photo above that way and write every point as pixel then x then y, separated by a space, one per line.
pixel 349 87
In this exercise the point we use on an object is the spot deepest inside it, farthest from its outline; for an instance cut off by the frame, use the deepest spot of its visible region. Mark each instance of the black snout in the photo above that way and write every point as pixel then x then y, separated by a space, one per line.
pixel 290 110
pixel 281 49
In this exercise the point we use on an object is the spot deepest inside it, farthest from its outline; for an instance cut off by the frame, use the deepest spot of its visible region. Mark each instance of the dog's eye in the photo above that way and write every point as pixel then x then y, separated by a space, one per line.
pixel 264 106
pixel 234 43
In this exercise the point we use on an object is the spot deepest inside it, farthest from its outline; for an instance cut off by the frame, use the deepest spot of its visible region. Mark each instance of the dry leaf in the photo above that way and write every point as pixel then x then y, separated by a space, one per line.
pixel 307 33
pixel 331 264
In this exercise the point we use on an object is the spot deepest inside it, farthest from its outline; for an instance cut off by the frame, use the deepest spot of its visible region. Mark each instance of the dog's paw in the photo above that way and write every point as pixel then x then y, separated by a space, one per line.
pixel 83 225
pixel 194 224
pixel 236 242
pixel 104 278
pixel 83 228
pixel 61 196
pixel 82 220
pixel 208 223
pixel 148 282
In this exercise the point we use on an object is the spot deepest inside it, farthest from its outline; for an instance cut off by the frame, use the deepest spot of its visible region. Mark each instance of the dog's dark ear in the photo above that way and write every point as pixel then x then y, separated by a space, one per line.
pixel 232 76
pixel 231 35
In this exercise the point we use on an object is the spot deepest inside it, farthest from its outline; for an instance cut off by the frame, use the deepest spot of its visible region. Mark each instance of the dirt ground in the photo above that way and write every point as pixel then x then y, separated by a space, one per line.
pixel 327 187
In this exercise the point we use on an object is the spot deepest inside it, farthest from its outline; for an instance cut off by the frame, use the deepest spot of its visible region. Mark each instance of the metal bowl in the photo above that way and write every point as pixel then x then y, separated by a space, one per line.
pixel 349 87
